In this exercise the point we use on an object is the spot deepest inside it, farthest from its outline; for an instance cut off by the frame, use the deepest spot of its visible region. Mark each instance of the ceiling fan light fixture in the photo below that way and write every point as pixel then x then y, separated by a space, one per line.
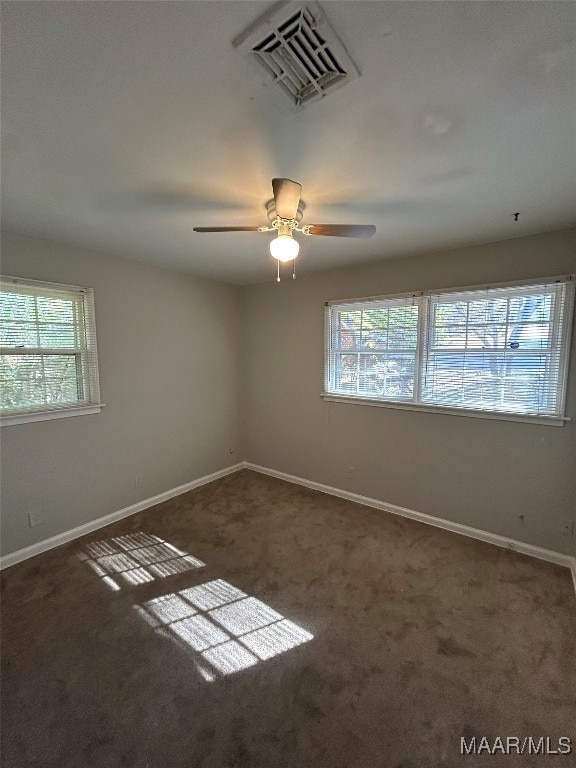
pixel 284 248
pixel 284 215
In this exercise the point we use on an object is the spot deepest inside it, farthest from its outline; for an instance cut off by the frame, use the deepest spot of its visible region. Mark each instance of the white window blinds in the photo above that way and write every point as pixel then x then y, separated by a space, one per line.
pixel 501 349
pixel 47 347
pixel 373 348
pixel 497 350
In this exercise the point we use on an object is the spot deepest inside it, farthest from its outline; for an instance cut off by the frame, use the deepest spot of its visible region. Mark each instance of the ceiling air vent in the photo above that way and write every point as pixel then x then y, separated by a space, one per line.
pixel 299 50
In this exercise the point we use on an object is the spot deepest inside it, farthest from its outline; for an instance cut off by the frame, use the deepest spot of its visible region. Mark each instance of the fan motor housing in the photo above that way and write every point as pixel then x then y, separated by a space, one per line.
pixel 272 215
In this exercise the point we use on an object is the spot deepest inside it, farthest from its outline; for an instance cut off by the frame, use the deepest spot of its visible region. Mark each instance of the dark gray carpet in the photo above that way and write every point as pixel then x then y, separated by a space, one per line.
pixel 318 633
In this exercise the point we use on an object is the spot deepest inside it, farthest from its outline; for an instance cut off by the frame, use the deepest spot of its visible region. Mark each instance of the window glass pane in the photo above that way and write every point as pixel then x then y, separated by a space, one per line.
pixel 13 334
pixel 537 307
pixel 450 312
pixel 371 372
pixel 38 321
pixel 349 330
pixel 52 310
pixel 403 338
pixel 504 382
pixel 375 318
pixel 30 381
pixel 449 336
pixel 489 336
pixel 346 373
pixel 379 375
pixel 375 328
pixel 375 339
pixel 531 336
pixel 350 320
pixel 390 376
pixel 349 338
pixel 21 381
pixel 404 316
pixel 57 336
pixel 487 310
pixel 15 306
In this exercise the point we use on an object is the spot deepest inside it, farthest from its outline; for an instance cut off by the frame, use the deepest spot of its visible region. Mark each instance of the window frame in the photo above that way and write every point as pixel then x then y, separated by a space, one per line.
pixel 90 374
pixel 425 299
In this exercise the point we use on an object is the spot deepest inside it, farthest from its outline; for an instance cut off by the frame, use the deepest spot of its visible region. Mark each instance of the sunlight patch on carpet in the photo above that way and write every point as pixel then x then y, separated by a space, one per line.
pixel 227 629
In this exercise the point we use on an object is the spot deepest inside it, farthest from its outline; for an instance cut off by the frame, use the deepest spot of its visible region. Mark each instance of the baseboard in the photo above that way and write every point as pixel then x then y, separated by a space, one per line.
pixel 492 538
pixel 475 533
pixel 93 525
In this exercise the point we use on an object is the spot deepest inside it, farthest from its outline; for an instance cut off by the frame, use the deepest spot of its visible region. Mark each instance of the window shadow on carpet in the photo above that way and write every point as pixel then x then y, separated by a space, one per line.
pixel 226 629
pixel 136 558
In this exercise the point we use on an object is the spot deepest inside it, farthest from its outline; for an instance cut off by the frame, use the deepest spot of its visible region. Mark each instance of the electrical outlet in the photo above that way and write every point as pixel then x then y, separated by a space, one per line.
pixel 567 526
pixel 350 472
pixel 138 482
pixel 34 519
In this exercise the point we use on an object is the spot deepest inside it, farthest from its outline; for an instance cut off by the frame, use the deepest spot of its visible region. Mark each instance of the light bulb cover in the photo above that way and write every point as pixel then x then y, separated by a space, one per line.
pixel 284 248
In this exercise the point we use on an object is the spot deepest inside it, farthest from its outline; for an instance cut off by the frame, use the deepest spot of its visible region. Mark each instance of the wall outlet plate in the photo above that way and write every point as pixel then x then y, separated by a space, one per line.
pixel 34 519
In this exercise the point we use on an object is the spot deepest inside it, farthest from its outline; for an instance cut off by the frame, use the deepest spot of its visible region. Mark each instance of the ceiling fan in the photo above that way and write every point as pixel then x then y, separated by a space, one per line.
pixel 285 214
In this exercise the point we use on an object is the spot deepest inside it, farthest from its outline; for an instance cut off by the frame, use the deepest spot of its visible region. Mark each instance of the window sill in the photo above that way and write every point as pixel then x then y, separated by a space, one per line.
pixel 551 421
pixel 8 420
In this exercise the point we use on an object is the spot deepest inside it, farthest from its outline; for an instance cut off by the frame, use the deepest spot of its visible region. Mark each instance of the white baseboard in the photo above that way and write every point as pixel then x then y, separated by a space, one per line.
pixel 475 533
pixel 93 525
pixel 492 538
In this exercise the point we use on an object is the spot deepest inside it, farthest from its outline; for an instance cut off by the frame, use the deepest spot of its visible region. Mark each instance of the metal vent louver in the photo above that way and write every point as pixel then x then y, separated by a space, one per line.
pixel 300 51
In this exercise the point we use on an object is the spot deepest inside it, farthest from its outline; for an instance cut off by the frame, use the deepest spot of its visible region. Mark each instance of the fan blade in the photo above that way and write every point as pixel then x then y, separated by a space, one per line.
pixel 226 229
pixel 342 230
pixel 286 197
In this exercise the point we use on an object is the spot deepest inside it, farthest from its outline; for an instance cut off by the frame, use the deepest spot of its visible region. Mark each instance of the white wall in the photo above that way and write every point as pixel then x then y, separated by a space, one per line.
pixel 482 473
pixel 169 355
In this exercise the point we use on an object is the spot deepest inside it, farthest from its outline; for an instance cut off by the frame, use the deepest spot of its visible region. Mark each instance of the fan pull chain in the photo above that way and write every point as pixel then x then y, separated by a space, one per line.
pixel 294 270
pixel 278 278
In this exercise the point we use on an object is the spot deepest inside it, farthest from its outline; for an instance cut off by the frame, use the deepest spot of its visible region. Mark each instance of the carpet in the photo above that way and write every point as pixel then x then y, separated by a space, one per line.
pixel 254 623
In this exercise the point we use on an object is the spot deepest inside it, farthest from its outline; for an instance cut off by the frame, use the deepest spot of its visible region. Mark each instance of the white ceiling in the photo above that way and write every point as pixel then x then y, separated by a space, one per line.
pixel 125 124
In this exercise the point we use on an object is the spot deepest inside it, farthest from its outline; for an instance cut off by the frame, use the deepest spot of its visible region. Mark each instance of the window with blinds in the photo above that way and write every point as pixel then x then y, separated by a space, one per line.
pixel 498 350
pixel 373 348
pixel 48 360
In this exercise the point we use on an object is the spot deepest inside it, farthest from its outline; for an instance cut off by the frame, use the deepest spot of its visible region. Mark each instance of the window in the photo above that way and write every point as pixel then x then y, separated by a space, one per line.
pixel 48 364
pixel 498 352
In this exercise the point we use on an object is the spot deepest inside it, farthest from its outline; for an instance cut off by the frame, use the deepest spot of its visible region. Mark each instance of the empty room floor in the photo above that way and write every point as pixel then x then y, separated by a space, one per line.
pixel 252 622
